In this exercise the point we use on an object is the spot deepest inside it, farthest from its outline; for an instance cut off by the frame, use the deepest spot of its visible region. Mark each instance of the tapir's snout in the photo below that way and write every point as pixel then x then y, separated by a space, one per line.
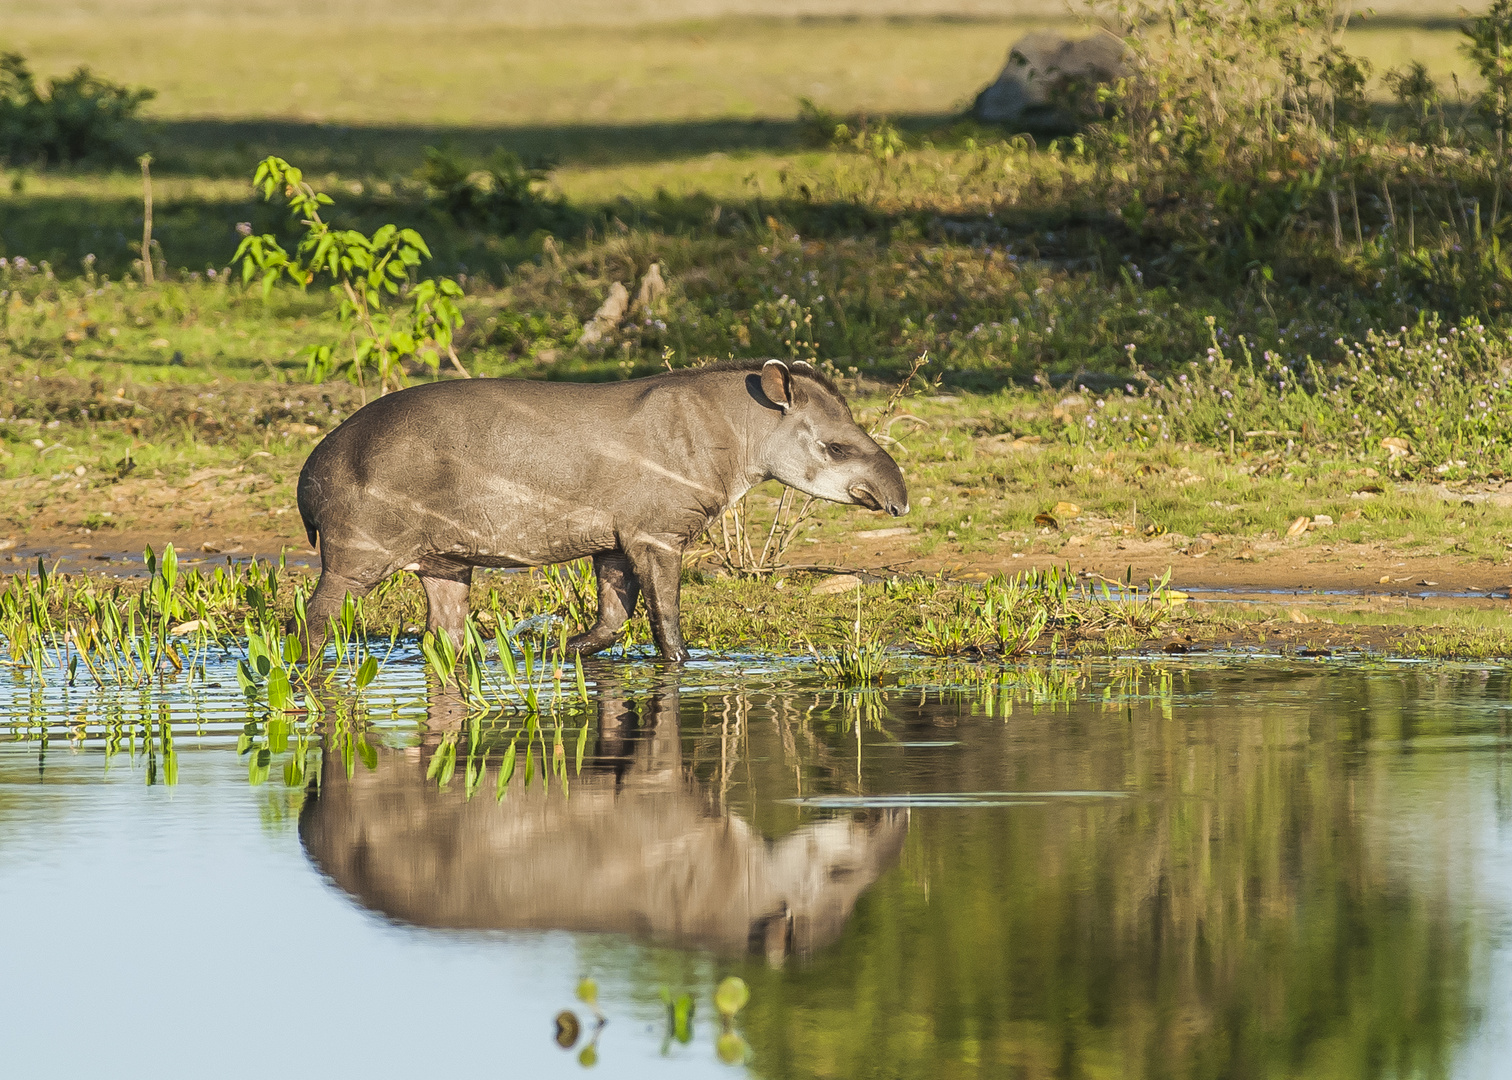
pixel 884 489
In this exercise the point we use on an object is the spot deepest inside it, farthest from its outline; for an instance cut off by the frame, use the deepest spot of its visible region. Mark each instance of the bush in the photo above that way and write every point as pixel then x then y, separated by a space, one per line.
pixel 76 117
pixel 1443 392
pixel 506 195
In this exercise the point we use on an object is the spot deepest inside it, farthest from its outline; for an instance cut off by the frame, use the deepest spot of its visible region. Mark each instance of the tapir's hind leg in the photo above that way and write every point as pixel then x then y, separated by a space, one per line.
pixel 618 590
pixel 447 586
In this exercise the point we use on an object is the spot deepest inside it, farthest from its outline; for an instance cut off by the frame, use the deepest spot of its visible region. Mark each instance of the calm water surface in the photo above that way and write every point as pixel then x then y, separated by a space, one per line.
pixel 1227 869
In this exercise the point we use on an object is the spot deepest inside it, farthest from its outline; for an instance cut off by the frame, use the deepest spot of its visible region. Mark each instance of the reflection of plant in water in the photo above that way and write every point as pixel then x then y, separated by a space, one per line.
pixel 995 691
pixel 1241 915
pixel 730 997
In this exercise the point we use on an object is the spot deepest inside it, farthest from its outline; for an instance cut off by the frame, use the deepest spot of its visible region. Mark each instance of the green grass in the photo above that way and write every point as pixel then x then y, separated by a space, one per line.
pixel 477 74
pixel 1015 268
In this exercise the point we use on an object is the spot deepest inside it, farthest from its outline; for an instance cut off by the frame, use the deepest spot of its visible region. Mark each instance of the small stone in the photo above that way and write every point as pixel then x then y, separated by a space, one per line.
pixel 609 315
pixel 1008 445
pixel 652 290
pixel 840 583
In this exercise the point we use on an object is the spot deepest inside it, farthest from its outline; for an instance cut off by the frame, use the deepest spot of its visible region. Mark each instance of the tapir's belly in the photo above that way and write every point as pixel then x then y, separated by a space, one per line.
pixel 517 527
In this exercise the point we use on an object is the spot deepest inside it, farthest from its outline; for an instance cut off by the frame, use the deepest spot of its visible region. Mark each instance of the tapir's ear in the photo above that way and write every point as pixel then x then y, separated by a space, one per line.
pixel 777 384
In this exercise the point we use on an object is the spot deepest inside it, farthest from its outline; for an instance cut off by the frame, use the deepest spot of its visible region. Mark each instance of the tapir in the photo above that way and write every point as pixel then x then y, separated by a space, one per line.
pixel 447 476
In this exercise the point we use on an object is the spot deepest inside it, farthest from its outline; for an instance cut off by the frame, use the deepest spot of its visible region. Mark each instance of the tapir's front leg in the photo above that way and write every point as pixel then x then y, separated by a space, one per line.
pixel 618 590
pixel 657 562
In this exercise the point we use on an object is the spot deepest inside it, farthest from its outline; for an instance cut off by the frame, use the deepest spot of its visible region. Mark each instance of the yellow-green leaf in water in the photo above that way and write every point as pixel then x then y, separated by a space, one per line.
pixel 280 693
pixel 731 1048
pixel 732 996
pixel 506 770
pixel 587 992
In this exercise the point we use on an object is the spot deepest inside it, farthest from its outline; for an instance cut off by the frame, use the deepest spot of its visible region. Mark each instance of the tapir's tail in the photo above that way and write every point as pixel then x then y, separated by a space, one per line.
pixel 308 513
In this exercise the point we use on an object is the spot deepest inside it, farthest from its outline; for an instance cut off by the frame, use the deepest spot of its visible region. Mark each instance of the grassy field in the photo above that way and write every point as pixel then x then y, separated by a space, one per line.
pixel 179 411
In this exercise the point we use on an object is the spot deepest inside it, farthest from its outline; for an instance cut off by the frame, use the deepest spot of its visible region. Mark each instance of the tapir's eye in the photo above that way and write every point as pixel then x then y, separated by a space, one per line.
pixel 838 451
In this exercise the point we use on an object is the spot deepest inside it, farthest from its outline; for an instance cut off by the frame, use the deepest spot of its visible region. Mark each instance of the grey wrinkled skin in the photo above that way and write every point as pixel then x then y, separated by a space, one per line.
pixel 495 472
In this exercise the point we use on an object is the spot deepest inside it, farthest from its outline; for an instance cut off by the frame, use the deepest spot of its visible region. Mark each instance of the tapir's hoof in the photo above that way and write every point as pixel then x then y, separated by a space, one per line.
pixel 590 643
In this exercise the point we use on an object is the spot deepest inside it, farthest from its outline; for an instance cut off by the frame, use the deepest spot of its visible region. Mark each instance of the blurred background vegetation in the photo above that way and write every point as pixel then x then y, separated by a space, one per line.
pixel 1271 189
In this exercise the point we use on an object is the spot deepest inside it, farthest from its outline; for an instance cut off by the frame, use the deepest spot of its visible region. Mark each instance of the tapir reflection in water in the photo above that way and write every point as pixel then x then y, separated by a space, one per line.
pixel 639 848
pixel 442 478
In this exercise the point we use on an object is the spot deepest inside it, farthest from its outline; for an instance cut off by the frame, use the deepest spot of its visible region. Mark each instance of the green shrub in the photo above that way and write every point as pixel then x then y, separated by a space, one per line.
pixel 506 195
pixel 1444 391
pixel 75 117
pixel 386 314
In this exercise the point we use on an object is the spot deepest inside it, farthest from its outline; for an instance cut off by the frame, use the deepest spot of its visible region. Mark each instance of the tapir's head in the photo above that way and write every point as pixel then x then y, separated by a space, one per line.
pixel 819 449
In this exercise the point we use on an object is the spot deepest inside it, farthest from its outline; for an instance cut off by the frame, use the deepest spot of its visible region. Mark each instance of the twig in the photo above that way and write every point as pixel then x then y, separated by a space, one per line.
pixel 898 391
pixel 145 161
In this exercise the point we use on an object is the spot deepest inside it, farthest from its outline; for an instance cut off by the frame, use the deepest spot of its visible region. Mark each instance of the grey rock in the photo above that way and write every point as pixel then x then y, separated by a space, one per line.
pixel 609 315
pixel 1049 82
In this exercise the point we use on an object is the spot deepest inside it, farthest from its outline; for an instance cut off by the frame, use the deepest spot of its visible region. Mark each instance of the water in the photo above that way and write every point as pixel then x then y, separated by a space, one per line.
pixel 1218 869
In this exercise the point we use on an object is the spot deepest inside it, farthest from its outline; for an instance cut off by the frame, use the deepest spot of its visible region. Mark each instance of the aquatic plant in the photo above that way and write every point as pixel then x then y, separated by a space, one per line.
pixel 1007 615
pixel 858 661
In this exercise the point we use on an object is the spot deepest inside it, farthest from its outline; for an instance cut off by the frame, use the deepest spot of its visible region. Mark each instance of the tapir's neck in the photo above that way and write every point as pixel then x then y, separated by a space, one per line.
pixel 724 418
pixel 757 425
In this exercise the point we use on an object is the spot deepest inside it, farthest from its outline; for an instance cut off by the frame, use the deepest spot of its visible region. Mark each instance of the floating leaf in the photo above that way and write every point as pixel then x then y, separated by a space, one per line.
pixel 567 1029
pixel 587 992
pixel 732 995
pixel 731 1048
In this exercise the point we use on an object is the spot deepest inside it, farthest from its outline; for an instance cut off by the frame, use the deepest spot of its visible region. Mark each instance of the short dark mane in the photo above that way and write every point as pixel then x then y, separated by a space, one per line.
pixel 797 367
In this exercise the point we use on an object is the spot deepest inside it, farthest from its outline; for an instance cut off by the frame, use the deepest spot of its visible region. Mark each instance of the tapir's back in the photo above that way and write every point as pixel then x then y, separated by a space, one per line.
pixel 516 472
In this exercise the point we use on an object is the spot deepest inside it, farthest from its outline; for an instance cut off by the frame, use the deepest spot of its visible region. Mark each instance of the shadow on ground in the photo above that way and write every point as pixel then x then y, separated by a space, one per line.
pixel 230 148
